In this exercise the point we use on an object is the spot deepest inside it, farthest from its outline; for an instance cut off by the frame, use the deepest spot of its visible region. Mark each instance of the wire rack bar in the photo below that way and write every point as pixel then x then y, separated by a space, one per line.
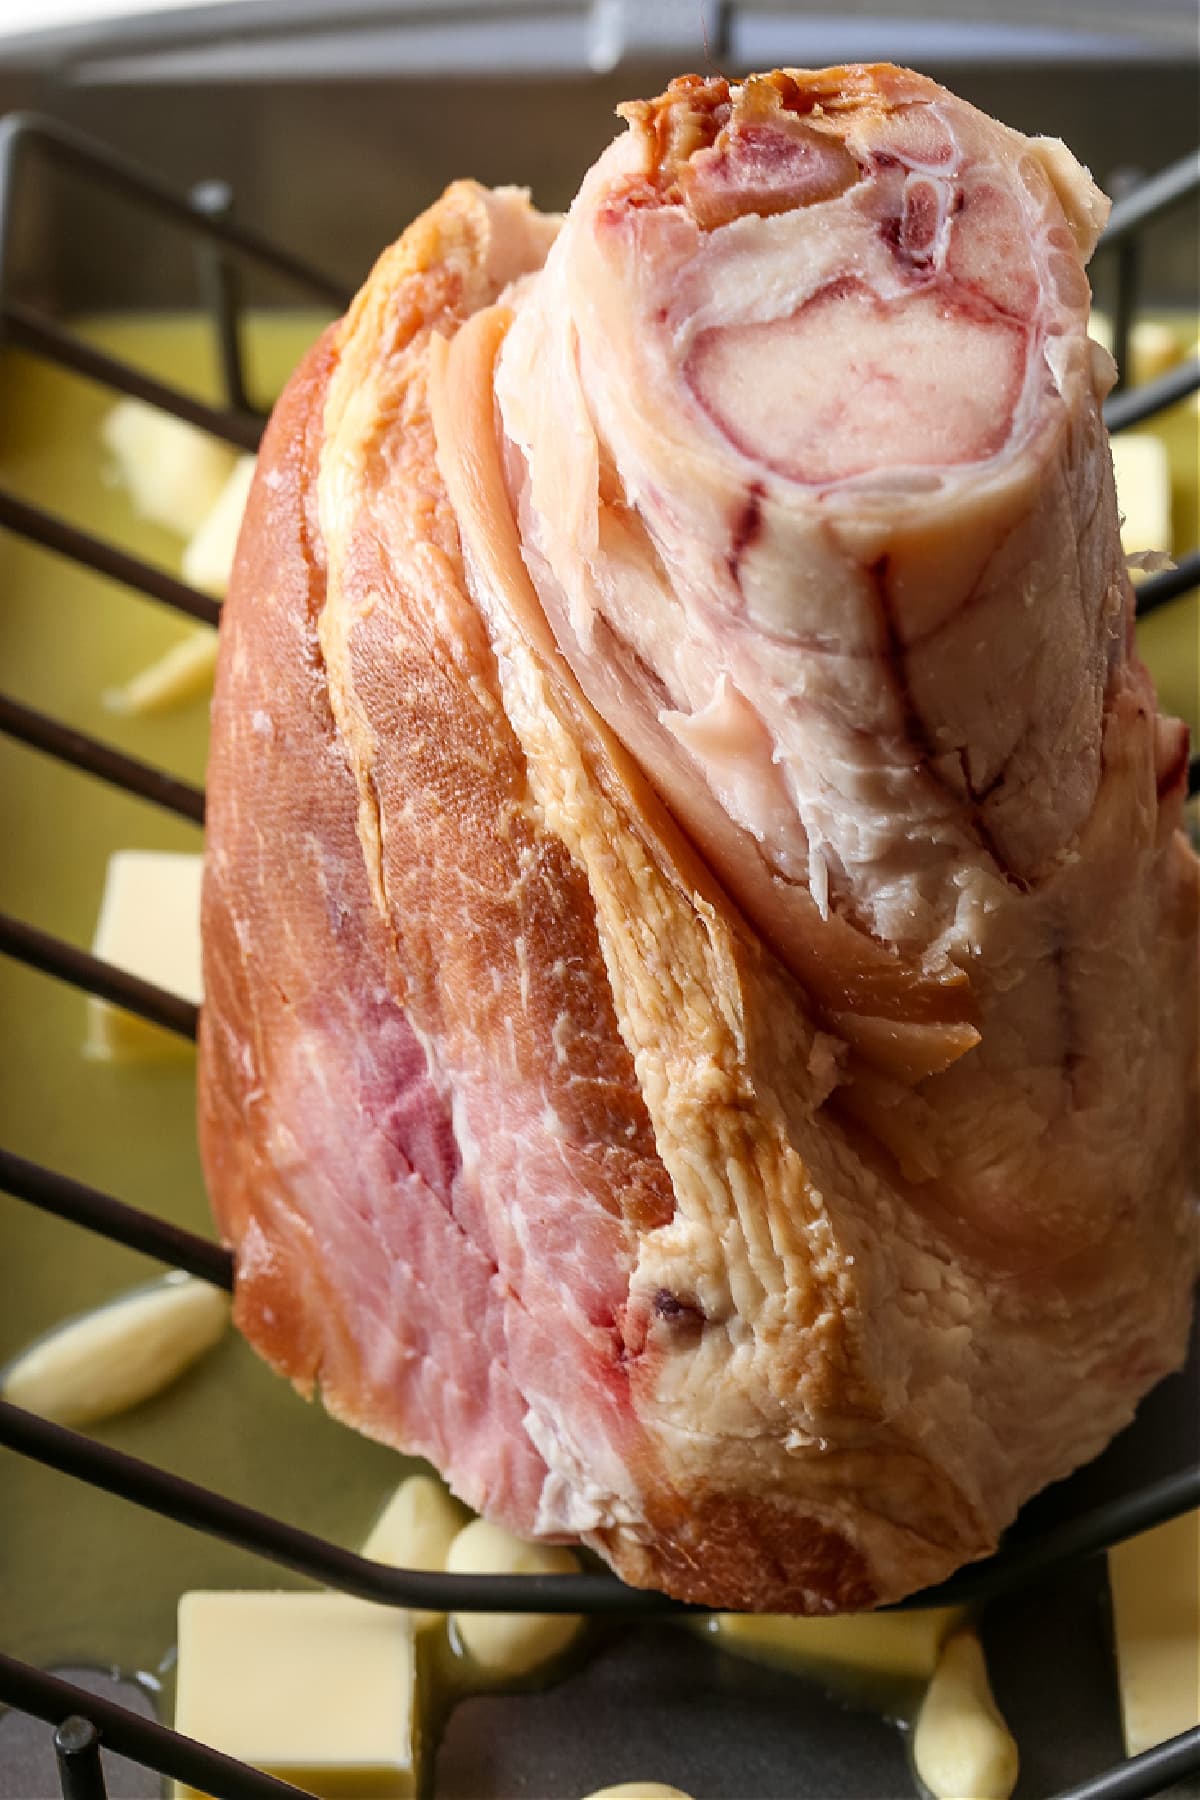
pixel 1015 1563
pixel 42 527
pixel 1168 584
pixel 27 329
pixel 80 1204
pixel 161 1491
pixel 96 162
pixel 1140 403
pixel 1151 198
pixel 53 956
pixel 1150 1773
pixel 220 287
pixel 144 1740
pixel 84 1205
pixel 1135 207
pixel 1019 1561
pixel 1127 257
pixel 77 1751
pixel 169 1753
pixel 37 729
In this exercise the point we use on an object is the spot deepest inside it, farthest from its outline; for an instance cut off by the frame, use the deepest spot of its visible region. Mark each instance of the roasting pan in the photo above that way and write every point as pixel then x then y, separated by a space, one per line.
pixel 307 136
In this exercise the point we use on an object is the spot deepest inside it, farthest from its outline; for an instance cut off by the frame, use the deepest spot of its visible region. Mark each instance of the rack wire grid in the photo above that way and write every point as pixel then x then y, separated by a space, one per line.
pixel 82 1722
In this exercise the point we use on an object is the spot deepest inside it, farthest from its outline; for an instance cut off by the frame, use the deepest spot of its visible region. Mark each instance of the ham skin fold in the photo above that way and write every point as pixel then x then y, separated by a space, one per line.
pixel 700 956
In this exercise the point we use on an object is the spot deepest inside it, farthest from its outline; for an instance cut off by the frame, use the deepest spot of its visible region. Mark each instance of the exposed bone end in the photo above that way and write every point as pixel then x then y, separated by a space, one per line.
pixel 767 145
pixel 767 159
pixel 912 353
pixel 850 385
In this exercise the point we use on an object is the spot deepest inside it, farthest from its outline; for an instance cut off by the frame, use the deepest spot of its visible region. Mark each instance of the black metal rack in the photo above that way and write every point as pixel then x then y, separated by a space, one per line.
pixel 82 1720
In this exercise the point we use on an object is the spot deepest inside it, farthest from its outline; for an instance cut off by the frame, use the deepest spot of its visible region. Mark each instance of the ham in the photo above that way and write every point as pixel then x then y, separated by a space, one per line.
pixel 700 956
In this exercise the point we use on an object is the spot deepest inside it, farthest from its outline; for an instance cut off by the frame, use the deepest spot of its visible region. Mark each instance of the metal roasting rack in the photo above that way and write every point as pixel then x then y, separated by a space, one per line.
pixel 83 1721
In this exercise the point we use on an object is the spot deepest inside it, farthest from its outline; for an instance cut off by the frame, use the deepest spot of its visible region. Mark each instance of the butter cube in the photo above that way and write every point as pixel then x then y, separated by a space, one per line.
pixel 875 1646
pixel 1155 349
pixel 149 925
pixel 173 472
pixel 208 555
pixel 1155 346
pixel 1143 477
pixel 1155 1581
pixel 182 673
pixel 317 1689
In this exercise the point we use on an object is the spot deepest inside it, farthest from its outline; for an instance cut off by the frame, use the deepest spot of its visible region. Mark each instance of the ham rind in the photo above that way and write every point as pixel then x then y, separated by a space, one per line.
pixel 701 983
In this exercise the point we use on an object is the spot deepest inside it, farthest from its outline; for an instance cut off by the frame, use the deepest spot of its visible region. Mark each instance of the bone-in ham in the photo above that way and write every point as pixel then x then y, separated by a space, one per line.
pixel 700 1036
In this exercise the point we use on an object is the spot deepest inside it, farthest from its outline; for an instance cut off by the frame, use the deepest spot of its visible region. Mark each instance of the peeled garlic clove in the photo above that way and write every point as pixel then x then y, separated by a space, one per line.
pixel 639 1790
pixel 106 1361
pixel 415 1531
pixel 961 1746
pixel 510 1644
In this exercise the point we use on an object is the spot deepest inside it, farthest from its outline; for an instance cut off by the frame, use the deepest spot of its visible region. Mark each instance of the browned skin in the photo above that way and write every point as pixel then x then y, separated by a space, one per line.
pixel 766 1555
pixel 275 642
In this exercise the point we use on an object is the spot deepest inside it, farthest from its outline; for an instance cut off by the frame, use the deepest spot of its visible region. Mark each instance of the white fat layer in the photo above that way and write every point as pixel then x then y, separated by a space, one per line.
pixel 577 1496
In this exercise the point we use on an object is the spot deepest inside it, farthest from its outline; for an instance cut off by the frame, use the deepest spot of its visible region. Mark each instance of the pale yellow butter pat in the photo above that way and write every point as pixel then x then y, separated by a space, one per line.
pixel 149 925
pixel 1156 348
pixel 106 1361
pixel 1155 1580
pixel 887 1646
pixel 173 472
pixel 415 1531
pixel 182 673
pixel 1143 477
pixel 1155 345
pixel 208 556
pixel 317 1689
